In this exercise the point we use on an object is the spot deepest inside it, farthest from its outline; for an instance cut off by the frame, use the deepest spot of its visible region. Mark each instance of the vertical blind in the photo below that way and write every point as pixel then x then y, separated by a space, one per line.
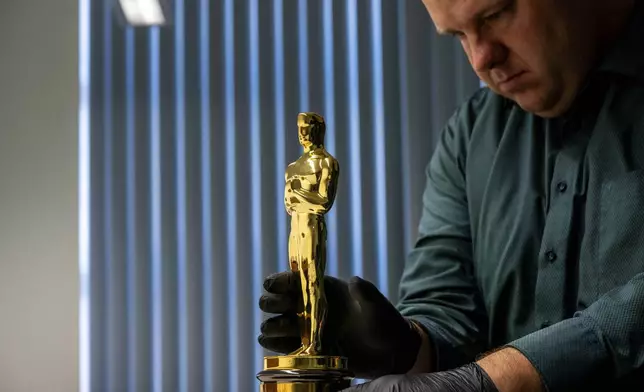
pixel 185 133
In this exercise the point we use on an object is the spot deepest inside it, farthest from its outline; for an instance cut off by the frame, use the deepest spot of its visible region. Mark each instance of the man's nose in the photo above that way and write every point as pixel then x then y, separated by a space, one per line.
pixel 485 54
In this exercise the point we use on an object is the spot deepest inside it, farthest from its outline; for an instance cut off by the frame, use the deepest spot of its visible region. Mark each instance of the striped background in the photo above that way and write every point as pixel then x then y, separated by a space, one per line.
pixel 185 133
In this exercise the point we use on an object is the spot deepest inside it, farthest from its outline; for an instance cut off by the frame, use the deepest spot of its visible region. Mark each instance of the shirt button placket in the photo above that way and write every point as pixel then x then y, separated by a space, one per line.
pixel 551 279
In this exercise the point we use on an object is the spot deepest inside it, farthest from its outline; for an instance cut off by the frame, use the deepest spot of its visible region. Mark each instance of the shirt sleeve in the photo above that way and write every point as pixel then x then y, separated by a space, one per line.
pixel 438 289
pixel 604 341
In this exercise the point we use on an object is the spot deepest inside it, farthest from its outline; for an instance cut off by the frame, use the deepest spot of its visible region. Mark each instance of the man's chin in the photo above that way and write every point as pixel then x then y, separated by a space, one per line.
pixel 527 97
pixel 530 101
pixel 540 102
pixel 541 109
pixel 530 106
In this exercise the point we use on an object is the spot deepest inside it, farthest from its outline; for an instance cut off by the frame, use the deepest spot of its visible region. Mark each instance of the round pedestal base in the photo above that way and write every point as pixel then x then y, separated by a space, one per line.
pixel 301 373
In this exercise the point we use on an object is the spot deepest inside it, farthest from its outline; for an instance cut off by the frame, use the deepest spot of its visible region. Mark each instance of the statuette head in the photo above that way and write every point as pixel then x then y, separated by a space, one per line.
pixel 311 129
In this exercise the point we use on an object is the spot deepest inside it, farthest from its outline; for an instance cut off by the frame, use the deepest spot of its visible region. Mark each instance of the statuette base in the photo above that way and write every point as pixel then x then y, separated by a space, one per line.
pixel 303 373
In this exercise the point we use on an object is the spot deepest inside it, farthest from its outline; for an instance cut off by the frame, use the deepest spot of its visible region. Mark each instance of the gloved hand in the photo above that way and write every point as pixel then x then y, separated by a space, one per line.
pixel 469 378
pixel 361 325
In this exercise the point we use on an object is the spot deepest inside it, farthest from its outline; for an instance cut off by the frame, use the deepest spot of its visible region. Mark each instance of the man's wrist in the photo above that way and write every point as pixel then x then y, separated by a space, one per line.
pixel 511 371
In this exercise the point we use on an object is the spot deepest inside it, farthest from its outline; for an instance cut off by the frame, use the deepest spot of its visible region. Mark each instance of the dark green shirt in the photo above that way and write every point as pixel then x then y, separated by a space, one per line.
pixel 532 232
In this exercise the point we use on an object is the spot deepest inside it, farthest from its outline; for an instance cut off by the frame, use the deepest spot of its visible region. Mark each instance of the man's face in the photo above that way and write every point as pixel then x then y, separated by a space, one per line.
pixel 534 52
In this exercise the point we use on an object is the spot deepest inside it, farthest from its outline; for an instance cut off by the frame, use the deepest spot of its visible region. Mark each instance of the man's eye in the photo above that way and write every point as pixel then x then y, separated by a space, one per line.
pixel 496 15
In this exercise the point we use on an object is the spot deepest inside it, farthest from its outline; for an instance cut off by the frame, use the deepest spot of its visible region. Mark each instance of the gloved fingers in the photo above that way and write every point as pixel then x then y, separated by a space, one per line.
pixel 390 383
pixel 280 345
pixel 277 303
pixel 364 291
pixel 283 283
pixel 358 388
pixel 469 378
pixel 373 304
pixel 384 328
pixel 285 325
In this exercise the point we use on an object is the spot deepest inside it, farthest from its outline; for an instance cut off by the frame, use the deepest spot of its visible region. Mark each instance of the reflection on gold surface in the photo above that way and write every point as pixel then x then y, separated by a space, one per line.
pixel 302 362
pixel 311 184
pixel 301 373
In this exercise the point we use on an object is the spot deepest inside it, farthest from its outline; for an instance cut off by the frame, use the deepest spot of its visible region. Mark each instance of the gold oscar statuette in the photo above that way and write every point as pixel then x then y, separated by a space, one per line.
pixel 311 185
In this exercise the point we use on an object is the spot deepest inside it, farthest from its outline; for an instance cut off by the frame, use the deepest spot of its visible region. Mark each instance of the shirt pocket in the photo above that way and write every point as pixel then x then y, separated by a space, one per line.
pixel 621 230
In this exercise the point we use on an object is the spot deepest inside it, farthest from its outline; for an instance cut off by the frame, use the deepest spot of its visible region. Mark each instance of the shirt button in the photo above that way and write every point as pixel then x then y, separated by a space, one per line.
pixel 562 186
pixel 551 256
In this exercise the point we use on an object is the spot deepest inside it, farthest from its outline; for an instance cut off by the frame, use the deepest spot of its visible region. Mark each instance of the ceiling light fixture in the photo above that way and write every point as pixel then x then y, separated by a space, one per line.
pixel 144 12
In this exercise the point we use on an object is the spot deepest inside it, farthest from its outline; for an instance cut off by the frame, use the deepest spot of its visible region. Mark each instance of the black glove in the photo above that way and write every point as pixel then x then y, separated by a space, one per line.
pixel 361 325
pixel 469 378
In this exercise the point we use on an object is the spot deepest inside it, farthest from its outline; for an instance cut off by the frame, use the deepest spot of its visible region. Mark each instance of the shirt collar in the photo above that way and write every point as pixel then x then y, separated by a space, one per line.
pixel 626 57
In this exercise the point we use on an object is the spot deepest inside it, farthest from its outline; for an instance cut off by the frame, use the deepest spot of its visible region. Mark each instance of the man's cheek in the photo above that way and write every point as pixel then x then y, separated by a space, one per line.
pixel 468 53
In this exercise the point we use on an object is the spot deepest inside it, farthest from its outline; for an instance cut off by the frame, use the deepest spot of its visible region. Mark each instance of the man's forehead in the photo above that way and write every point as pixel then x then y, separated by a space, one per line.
pixel 451 14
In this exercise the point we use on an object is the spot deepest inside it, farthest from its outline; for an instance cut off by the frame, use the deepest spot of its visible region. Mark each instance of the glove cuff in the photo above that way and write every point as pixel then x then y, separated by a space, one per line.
pixel 486 383
pixel 405 358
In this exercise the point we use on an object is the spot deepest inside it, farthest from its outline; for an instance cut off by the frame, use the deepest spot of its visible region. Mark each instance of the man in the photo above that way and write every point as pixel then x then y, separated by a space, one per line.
pixel 528 273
